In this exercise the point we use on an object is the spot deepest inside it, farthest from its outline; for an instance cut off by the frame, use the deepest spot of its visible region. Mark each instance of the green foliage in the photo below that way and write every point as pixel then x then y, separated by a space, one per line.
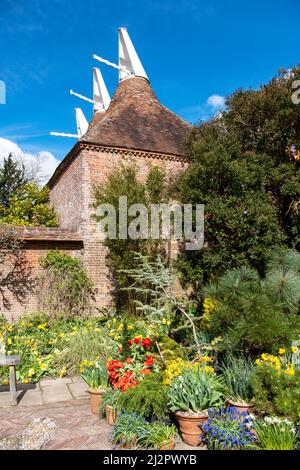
pixel 237 374
pixel 12 178
pixel 128 428
pixel 277 393
pixel 195 391
pixel 88 344
pixel 29 206
pixel 53 347
pixel 255 314
pixel 149 398
pixel 170 349
pixel 245 168
pixel 153 281
pixel 156 435
pixel 96 377
pixel 65 286
pixel 275 434
pixel 110 398
pixel 125 182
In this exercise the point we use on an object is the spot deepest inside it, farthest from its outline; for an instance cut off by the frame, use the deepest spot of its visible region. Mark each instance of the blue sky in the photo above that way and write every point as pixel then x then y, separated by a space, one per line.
pixel 190 50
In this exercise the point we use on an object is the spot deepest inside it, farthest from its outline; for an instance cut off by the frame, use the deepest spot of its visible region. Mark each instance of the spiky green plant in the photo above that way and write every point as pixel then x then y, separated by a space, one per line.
pixel 237 374
pixel 157 435
pixel 195 391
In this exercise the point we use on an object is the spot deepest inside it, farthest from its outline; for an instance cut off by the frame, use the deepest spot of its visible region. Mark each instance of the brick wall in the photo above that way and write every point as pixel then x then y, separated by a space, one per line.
pixel 19 298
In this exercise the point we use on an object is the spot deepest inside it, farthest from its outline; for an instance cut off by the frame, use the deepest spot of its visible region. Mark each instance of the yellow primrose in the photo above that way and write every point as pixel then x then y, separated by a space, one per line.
pixel 129 327
pixel 281 351
pixel 205 359
pixel 31 372
pixel 295 349
pixel 25 381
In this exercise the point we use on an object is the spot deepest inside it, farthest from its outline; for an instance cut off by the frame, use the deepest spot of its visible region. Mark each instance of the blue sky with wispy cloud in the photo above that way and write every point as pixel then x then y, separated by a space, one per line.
pixel 195 54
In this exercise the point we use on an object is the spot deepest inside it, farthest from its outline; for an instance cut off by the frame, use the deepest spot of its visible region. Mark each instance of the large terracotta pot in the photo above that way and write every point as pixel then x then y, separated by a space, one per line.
pixel 111 415
pixel 190 426
pixel 169 446
pixel 241 407
pixel 95 400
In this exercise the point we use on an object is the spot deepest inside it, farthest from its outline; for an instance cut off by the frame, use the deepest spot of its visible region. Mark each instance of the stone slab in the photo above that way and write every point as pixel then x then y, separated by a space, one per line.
pixel 31 398
pixel 78 390
pixel 56 393
pixel 54 382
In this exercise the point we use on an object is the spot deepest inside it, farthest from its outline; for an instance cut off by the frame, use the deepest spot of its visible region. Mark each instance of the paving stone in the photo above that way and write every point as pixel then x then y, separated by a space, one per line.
pixel 31 398
pixel 56 393
pixel 53 382
pixel 77 378
pixel 78 389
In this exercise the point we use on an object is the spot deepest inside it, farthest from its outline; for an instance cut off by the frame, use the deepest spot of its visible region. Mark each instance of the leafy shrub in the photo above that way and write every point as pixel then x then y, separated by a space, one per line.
pixel 195 391
pixel 237 374
pixel 227 429
pixel 29 206
pixel 275 434
pixel 149 398
pixel 65 287
pixel 128 428
pixel 156 435
pixel 276 387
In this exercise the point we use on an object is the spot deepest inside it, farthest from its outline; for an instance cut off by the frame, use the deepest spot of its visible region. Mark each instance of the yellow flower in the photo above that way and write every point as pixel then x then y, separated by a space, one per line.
pixel 31 372
pixel 5 381
pixel 98 330
pixel 129 327
pixel 205 359
pixel 294 349
pixel 281 351
pixel 289 370
pixel 63 372
pixel 208 369
pixel 9 341
pixel 25 381
pixel 43 366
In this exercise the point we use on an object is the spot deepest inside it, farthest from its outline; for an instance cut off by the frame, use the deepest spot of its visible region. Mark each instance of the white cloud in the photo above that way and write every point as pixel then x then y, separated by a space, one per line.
pixel 216 101
pixel 39 166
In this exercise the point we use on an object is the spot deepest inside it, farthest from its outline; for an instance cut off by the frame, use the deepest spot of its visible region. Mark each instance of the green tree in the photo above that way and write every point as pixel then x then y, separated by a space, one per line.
pixel 125 182
pixel 29 206
pixel 253 313
pixel 245 168
pixel 12 178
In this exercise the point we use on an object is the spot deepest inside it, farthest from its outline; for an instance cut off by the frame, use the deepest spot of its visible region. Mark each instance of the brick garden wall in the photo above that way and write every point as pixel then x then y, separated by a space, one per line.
pixel 19 298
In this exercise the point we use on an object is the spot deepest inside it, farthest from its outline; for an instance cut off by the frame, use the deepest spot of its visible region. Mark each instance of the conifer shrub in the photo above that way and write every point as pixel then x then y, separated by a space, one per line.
pixel 149 399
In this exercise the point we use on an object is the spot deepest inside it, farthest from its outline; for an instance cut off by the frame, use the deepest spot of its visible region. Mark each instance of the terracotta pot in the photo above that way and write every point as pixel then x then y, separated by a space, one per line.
pixel 111 415
pixel 189 427
pixel 169 446
pixel 241 407
pixel 95 400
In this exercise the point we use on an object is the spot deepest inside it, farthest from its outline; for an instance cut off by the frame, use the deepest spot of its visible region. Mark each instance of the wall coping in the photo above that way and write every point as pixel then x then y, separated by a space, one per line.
pixel 48 234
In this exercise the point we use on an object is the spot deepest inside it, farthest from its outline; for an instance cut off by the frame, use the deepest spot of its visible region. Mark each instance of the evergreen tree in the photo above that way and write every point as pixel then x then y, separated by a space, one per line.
pixel 245 168
pixel 12 178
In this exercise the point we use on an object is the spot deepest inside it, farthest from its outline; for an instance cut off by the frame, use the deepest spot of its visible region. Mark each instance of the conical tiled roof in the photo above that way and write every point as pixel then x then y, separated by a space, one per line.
pixel 136 120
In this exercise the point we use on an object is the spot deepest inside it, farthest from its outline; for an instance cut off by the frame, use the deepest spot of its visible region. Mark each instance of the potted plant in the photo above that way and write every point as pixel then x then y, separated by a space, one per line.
pixel 158 436
pixel 96 377
pixel 127 430
pixel 109 405
pixel 237 374
pixel 190 396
